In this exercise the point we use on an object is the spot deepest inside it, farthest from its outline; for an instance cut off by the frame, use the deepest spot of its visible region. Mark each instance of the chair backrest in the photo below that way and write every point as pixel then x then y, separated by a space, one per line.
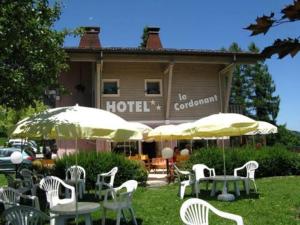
pixel 251 166
pixel 75 171
pixel 27 176
pixel 199 170
pixel 9 197
pixel 195 211
pixel 25 215
pixel 112 174
pixel 51 186
pixel 130 186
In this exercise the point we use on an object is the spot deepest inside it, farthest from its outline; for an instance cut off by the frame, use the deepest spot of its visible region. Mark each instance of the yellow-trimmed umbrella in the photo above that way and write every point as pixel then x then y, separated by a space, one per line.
pixel 220 125
pixel 74 122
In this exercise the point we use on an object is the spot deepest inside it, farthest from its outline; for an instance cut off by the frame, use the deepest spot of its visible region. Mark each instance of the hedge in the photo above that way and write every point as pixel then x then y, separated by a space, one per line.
pixel 273 161
pixel 95 163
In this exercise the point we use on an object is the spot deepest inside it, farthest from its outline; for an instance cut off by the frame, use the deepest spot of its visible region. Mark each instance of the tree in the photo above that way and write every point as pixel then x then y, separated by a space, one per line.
pixel 239 88
pixel 263 104
pixel 31 53
pixel 9 117
pixel 144 37
pixel 290 13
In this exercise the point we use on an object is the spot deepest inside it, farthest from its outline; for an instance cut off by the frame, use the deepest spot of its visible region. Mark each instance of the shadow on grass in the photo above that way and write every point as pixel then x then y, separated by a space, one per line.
pixel 108 221
pixel 205 195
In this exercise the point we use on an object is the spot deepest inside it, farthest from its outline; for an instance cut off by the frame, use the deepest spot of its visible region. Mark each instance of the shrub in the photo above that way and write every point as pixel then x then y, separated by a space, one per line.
pixel 95 163
pixel 273 161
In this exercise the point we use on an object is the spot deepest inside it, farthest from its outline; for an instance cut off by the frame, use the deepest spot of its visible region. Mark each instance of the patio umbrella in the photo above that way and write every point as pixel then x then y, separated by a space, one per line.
pixel 74 122
pixel 220 125
pixel 170 132
pixel 264 128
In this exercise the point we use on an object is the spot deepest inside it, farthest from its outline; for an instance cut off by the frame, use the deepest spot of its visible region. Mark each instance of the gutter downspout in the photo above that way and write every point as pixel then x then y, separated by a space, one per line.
pixel 99 69
pixel 227 70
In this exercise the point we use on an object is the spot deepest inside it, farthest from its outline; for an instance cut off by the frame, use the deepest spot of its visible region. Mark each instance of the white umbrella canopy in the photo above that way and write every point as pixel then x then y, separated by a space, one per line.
pixel 74 122
pixel 222 124
pixel 142 128
pixel 264 128
pixel 168 132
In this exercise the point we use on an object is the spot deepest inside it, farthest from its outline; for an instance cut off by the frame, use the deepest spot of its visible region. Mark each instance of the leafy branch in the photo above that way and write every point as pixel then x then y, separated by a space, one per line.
pixel 282 47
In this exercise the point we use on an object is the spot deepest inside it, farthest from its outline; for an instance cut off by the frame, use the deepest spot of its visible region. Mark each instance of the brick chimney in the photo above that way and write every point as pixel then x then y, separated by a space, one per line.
pixel 90 38
pixel 153 41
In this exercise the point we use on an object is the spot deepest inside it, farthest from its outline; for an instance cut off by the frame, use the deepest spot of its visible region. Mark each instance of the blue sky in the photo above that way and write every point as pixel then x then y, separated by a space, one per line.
pixel 195 24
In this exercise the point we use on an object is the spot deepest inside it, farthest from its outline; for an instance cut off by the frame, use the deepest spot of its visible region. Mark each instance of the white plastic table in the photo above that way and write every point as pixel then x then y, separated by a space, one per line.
pixel 225 179
pixel 65 211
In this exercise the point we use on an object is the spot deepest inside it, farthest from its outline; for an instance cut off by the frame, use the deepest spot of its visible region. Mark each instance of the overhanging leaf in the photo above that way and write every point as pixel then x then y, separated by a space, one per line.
pixel 262 25
pixel 282 48
pixel 292 12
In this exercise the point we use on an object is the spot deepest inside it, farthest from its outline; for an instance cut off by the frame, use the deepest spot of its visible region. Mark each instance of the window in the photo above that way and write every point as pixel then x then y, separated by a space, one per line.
pixel 153 87
pixel 110 87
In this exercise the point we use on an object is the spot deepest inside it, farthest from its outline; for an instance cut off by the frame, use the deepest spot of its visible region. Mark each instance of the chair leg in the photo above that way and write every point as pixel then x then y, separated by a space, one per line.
pixel 254 186
pixel 197 188
pixel 133 216
pixel 182 191
pixel 118 217
pixel 103 217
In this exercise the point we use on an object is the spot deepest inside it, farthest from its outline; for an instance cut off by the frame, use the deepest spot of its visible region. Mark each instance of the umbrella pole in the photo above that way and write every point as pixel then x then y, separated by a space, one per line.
pixel 76 184
pixel 225 196
pixel 224 163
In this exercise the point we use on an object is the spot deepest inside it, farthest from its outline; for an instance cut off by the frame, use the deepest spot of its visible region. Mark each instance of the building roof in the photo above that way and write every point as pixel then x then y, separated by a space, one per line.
pixel 167 51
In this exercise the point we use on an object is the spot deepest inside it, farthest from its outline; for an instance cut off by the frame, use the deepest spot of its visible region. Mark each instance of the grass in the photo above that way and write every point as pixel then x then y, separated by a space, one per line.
pixel 278 203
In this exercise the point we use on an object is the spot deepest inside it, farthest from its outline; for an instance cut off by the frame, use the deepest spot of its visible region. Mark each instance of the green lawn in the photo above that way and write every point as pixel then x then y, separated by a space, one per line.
pixel 278 203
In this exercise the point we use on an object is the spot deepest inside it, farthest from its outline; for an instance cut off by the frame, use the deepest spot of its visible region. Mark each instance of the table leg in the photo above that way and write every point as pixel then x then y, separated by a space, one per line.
pixel 88 219
pixel 247 186
pixel 237 189
pixel 213 189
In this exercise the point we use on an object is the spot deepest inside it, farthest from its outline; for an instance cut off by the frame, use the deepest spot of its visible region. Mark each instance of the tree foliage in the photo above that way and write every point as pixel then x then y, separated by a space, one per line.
pixel 144 37
pixel 282 47
pixel 31 54
pixel 239 88
pixel 9 117
pixel 253 89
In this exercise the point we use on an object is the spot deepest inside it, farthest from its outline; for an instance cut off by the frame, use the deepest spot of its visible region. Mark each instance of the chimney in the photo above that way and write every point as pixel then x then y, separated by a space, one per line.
pixel 153 40
pixel 90 38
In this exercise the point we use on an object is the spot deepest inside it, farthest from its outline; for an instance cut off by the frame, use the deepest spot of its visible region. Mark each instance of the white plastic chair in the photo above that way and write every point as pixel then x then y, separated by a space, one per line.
pixel 184 183
pixel 121 200
pixel 74 173
pixel 200 176
pixel 51 185
pixel 250 166
pixel 195 211
pixel 11 197
pixel 25 215
pixel 101 180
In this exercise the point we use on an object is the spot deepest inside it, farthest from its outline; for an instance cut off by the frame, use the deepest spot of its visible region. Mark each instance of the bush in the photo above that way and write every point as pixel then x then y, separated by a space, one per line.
pixel 95 163
pixel 273 161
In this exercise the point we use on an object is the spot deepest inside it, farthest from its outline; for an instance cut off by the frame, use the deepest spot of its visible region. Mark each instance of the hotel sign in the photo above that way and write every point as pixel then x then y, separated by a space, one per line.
pixel 132 106
pixel 185 103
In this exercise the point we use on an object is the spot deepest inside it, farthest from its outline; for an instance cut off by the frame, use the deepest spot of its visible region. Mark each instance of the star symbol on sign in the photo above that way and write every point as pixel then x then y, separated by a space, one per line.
pixel 152 102
pixel 158 107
